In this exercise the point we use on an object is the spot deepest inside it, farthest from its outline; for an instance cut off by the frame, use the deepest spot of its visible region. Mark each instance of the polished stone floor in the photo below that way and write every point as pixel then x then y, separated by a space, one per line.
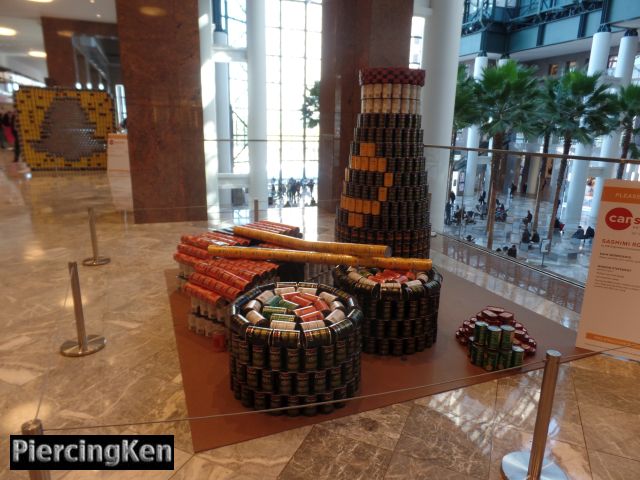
pixel 135 380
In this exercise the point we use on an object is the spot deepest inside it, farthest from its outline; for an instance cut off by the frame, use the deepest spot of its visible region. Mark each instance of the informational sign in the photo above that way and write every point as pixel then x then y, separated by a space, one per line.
pixel 117 152
pixel 610 311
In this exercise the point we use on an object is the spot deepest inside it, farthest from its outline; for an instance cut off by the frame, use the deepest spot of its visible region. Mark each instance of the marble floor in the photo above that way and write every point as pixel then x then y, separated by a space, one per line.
pixel 135 382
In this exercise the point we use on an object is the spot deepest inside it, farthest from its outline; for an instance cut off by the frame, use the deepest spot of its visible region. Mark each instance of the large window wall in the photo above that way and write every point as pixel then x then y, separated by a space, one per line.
pixel 293 45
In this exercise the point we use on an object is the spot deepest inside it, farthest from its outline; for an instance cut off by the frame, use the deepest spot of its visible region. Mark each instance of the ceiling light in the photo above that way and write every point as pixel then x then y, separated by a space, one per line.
pixel 37 54
pixel 101 86
pixel 65 33
pixel 152 11
pixel 78 86
pixel 7 32
pixel 40 1
pixel 98 15
pixel 89 86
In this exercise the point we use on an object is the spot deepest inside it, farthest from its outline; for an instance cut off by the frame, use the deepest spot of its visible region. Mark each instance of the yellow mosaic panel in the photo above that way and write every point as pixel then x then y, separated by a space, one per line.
pixel 64 129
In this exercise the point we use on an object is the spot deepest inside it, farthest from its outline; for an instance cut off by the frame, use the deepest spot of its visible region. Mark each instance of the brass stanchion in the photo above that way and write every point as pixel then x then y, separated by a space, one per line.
pixel 256 210
pixel 533 465
pixel 86 344
pixel 34 427
pixel 96 260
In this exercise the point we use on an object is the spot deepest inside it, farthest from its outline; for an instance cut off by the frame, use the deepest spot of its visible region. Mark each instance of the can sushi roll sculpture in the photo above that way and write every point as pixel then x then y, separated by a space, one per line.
pixel 293 345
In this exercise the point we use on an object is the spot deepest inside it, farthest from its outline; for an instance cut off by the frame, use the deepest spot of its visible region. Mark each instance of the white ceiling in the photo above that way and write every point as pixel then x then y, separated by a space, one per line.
pixel 24 16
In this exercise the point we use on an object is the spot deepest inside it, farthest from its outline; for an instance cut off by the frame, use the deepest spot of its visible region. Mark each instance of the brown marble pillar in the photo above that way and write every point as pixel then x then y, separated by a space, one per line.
pixel 355 34
pixel 160 58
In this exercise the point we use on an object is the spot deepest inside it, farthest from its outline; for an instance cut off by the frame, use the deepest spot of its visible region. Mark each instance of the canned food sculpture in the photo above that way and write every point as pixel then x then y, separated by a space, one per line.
pixel 495 339
pixel 293 345
pixel 384 197
pixel 400 308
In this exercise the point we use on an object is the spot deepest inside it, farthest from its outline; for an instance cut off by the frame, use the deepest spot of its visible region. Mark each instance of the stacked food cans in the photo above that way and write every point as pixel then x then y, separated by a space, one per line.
pixel 385 195
pixel 293 345
pixel 495 339
pixel 400 308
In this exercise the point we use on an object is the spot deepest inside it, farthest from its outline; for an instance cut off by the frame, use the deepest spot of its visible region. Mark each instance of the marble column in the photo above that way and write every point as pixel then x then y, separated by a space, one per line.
pixel 598 60
pixel 223 116
pixel 473 136
pixel 257 86
pixel 440 56
pixel 611 143
pixel 355 34
pixel 161 73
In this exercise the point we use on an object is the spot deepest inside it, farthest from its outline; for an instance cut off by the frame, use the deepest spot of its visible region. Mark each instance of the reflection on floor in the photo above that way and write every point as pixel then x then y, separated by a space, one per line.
pixel 595 431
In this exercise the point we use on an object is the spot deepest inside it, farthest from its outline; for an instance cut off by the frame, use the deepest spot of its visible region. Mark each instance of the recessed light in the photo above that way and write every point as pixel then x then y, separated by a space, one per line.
pixel 89 86
pixel 40 1
pixel 98 15
pixel 78 85
pixel 7 32
pixel 37 54
pixel 101 86
pixel 152 11
pixel 65 33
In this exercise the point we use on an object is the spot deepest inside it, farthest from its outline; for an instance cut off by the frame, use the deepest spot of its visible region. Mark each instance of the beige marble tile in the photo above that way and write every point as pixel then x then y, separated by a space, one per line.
pixel 477 401
pixel 517 406
pixel 404 467
pixel 610 365
pixel 607 389
pixel 202 469
pixel 263 457
pixel 571 458
pixel 611 431
pixel 447 441
pixel 610 467
pixel 380 427
pixel 334 456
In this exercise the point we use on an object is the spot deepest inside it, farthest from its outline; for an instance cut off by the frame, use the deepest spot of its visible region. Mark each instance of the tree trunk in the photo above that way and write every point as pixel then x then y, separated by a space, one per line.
pixel 496 162
pixel 561 173
pixel 626 143
pixel 541 177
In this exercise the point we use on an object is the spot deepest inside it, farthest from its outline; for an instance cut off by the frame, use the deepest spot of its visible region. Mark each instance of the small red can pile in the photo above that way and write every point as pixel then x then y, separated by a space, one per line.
pixel 214 283
pixel 497 316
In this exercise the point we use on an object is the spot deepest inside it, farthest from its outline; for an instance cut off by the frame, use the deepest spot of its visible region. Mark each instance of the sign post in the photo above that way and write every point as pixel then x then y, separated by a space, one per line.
pixel 609 310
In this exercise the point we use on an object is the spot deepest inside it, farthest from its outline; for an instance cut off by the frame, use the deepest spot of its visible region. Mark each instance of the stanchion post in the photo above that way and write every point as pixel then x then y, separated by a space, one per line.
pixel 34 427
pixel 86 344
pixel 96 260
pixel 256 210
pixel 533 465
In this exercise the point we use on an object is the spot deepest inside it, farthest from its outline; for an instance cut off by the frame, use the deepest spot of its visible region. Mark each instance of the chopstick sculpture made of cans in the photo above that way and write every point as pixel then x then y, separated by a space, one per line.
pixel 359 250
pixel 422 264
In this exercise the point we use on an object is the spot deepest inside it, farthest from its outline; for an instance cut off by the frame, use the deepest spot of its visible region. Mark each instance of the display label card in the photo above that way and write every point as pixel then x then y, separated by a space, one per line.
pixel 610 308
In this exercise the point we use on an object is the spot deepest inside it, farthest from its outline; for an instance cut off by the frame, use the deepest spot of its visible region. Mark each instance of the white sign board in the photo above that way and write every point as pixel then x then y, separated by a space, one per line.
pixel 117 152
pixel 609 311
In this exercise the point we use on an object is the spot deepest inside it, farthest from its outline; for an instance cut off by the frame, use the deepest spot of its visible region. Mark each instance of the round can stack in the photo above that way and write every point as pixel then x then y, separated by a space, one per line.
pixel 295 344
pixel 495 339
pixel 385 197
pixel 400 309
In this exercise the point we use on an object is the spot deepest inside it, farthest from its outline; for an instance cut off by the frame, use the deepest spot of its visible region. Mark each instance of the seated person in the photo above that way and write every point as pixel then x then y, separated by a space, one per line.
pixel 579 233
pixel 558 225
pixel 512 252
pixel 535 238
pixel 526 236
pixel 590 233
pixel 498 250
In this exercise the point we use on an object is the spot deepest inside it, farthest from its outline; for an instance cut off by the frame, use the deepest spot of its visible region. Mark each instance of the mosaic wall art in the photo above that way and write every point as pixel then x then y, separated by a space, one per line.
pixel 64 129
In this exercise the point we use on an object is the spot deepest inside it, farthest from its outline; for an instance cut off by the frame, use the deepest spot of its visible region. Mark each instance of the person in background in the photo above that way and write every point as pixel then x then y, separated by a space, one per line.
pixel 447 213
pixel 535 238
pixel 513 189
pixel 483 198
pixel 590 233
pixel 528 218
pixel 452 197
pixel 16 137
pixel 526 236
pixel 311 184
pixel 512 252
pixel 558 225
pixel 579 233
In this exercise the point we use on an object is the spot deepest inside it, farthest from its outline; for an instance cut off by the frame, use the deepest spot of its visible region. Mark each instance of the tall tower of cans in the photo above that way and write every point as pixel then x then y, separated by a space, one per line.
pixel 384 195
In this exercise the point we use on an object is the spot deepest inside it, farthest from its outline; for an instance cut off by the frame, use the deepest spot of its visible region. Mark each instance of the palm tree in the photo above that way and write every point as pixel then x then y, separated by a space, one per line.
pixel 507 99
pixel 543 125
pixel 465 112
pixel 629 106
pixel 582 111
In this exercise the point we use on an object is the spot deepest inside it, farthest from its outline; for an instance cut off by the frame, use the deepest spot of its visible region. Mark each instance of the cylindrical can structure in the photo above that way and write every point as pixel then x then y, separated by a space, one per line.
pixel 400 314
pixel 318 360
